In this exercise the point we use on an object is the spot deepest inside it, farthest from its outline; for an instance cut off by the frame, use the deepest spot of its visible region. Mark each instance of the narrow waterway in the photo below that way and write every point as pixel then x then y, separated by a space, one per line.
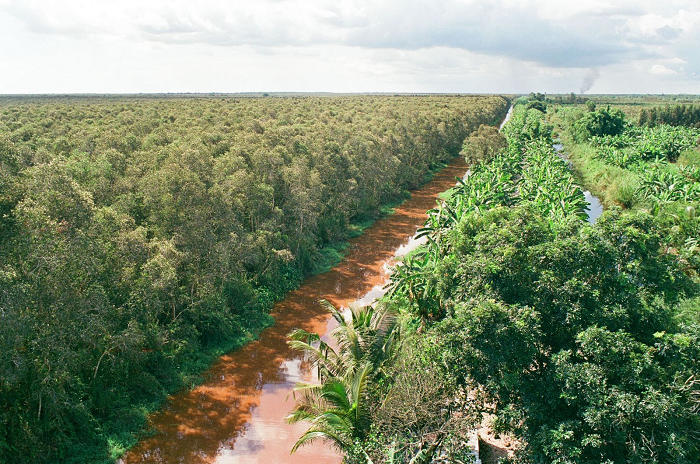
pixel 595 207
pixel 238 413
pixel 505 120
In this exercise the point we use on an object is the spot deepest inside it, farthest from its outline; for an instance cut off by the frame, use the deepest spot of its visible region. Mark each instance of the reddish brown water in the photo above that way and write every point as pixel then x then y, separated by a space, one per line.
pixel 238 414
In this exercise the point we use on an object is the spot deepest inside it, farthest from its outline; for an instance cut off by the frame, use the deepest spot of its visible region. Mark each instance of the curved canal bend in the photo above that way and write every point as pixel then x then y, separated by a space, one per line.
pixel 237 414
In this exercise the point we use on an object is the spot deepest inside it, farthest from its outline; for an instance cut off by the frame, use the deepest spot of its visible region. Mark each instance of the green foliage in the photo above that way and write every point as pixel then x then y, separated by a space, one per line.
pixel 525 126
pixel 673 115
pixel 536 176
pixel 653 167
pixel 338 408
pixel 538 105
pixel 622 140
pixel 416 418
pixel 660 184
pixel 569 331
pixel 483 145
pixel 682 227
pixel 661 143
pixel 665 142
pixel 533 305
pixel 605 121
pixel 689 157
pixel 141 237
pixel 627 393
pixel 546 181
pixel 626 159
pixel 415 281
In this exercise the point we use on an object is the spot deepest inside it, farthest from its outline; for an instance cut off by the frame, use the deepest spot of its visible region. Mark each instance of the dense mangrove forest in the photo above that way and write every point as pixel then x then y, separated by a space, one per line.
pixel 140 237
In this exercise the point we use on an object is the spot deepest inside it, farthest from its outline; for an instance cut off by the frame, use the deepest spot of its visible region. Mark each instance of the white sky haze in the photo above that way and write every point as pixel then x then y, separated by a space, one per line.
pixel 499 46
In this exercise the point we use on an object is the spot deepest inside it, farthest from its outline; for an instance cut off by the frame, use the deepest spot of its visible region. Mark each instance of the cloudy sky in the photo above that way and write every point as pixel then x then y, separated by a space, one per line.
pixel 611 46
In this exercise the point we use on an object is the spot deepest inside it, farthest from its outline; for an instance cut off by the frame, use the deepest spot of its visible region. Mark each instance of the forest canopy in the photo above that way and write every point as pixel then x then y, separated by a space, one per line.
pixel 138 237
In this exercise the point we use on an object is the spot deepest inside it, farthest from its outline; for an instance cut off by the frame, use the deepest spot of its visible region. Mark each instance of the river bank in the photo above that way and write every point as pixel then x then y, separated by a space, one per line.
pixel 237 414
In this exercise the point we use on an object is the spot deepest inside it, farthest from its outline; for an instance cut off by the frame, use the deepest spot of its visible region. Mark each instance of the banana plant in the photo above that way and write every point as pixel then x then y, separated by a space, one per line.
pixel 663 185
pixel 415 280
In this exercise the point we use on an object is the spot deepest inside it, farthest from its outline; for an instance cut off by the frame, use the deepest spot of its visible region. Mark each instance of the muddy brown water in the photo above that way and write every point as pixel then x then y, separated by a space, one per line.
pixel 238 414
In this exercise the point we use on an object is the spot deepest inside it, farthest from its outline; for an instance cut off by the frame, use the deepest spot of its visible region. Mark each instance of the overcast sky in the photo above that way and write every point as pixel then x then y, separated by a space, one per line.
pixel 554 46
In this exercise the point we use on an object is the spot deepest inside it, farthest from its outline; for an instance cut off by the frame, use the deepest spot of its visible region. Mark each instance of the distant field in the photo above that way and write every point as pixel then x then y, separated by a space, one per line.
pixel 629 104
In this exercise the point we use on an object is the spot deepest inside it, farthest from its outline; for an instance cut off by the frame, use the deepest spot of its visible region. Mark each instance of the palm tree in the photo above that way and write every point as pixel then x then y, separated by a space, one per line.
pixel 337 407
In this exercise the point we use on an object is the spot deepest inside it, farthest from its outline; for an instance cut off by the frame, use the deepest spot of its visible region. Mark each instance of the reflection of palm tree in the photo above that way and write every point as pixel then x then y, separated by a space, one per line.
pixel 337 407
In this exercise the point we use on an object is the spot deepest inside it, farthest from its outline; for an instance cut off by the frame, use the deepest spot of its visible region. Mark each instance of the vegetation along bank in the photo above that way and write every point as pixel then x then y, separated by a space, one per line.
pixel 141 237
pixel 581 340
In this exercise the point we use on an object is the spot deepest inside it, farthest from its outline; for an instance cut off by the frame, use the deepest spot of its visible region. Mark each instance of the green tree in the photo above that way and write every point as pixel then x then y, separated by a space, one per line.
pixel 538 316
pixel 605 121
pixel 483 145
pixel 337 408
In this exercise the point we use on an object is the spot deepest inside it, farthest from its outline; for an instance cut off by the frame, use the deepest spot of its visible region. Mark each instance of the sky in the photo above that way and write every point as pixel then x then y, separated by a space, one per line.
pixel 448 46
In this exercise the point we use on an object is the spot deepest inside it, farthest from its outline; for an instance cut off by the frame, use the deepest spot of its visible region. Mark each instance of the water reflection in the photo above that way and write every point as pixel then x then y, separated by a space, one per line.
pixel 595 207
pixel 238 414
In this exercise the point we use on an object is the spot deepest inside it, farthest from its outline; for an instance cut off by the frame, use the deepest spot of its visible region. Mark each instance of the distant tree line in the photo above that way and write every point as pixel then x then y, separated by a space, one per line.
pixel 675 115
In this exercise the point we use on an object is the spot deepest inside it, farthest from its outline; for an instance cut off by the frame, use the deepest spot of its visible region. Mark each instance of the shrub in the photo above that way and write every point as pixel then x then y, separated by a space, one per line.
pixel 601 122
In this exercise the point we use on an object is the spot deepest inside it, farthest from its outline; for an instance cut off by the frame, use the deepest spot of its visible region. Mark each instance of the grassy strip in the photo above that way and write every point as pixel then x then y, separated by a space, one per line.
pixel 612 184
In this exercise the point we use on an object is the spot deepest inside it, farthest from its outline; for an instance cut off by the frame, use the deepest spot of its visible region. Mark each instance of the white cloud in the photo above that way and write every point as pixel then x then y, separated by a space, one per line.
pixel 412 45
pixel 662 70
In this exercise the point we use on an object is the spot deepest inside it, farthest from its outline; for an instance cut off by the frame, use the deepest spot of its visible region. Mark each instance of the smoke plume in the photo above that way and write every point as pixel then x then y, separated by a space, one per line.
pixel 589 80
